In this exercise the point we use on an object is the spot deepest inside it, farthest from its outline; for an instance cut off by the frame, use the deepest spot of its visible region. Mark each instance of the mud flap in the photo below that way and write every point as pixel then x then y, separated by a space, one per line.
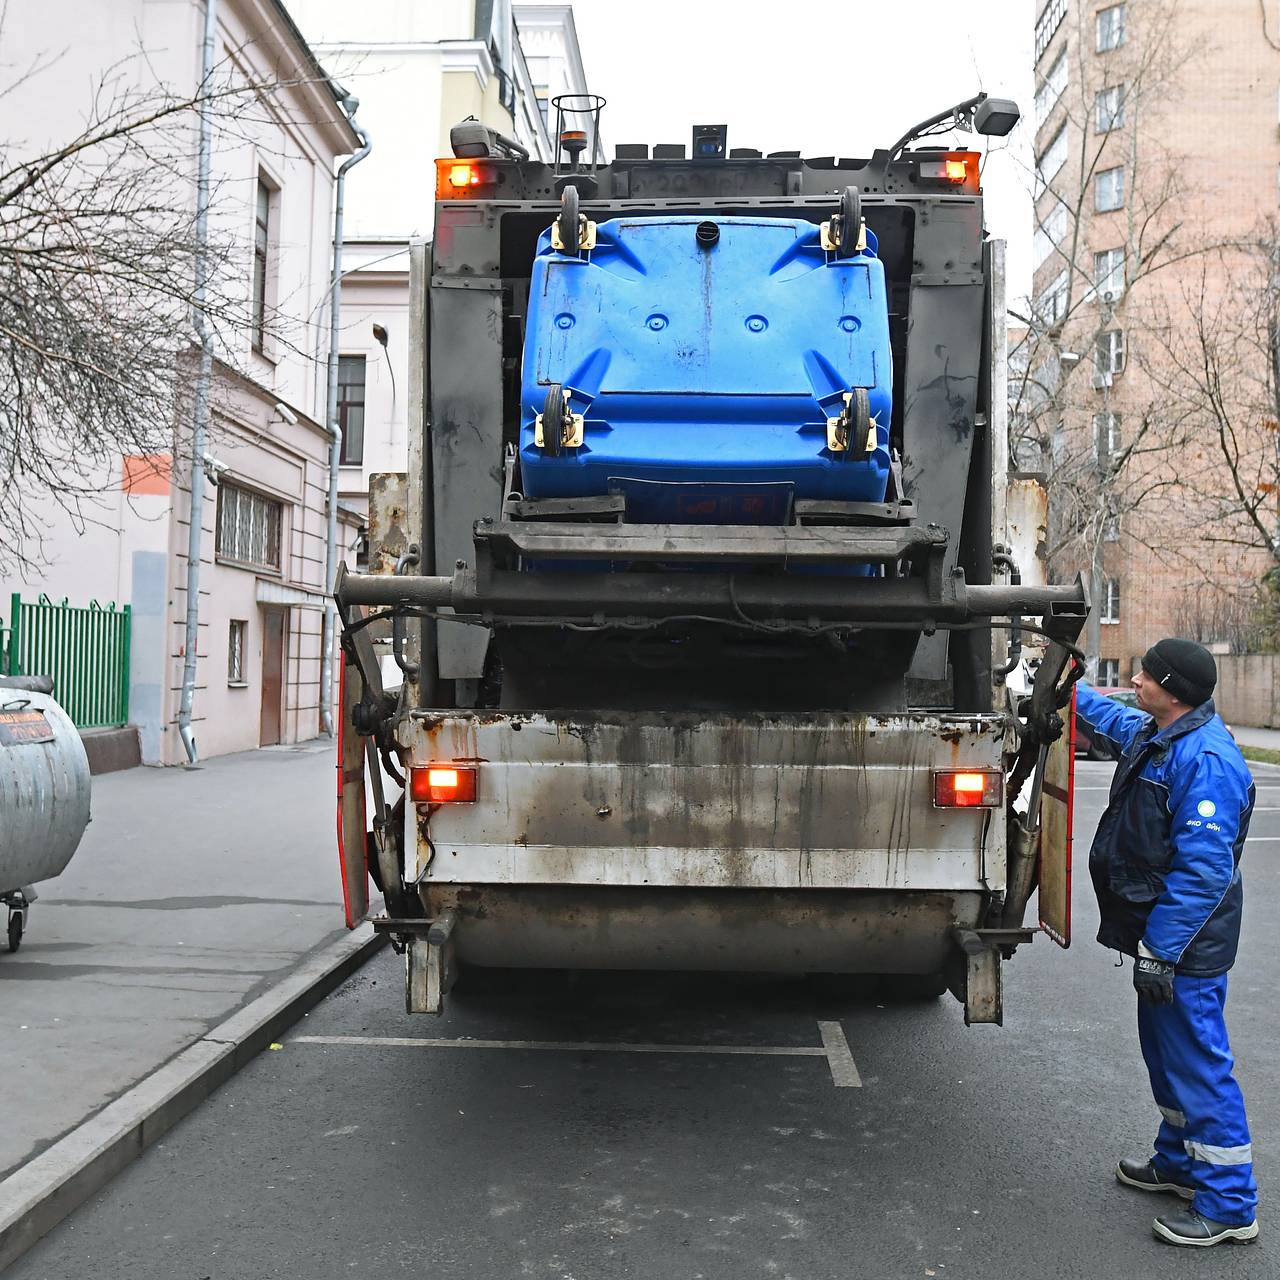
pixel 352 819
pixel 1054 869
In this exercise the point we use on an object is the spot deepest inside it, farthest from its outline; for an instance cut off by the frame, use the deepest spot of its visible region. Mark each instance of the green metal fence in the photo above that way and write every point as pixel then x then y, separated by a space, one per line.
pixel 86 651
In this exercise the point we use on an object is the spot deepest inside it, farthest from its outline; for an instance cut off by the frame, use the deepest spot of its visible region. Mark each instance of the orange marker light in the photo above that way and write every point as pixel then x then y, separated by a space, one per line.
pixel 463 179
pixel 958 167
pixel 967 788
pixel 442 784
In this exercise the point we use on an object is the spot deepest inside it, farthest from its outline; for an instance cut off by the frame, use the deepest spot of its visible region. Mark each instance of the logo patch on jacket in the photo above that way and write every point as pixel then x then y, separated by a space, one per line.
pixel 1206 808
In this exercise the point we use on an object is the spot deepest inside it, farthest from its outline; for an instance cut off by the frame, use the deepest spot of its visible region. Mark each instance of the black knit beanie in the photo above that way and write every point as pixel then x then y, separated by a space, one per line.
pixel 1186 669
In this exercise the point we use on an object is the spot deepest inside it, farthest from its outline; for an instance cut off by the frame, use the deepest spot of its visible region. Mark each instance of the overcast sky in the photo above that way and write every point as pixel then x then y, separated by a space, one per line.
pixel 822 78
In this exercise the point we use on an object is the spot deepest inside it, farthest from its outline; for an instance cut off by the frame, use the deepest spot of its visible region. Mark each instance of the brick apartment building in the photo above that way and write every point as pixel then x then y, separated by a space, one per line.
pixel 1157 133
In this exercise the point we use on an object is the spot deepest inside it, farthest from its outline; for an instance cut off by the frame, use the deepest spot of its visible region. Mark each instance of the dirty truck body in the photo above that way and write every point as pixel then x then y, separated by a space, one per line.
pixel 701 719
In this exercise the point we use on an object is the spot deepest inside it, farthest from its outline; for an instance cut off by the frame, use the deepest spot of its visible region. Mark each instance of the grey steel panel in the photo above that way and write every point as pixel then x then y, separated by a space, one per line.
pixel 466 432
pixel 743 930
pixel 821 801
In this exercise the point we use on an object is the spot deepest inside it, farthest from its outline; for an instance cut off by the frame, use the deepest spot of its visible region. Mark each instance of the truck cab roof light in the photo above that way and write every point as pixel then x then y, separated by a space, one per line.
pixel 967 788
pixel 443 784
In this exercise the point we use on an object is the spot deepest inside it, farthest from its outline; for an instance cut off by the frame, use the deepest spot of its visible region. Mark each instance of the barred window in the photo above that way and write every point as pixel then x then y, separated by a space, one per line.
pixel 235 651
pixel 1048 23
pixel 248 527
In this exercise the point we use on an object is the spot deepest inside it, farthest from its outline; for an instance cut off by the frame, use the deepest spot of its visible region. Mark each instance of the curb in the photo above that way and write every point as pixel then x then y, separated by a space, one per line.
pixel 39 1195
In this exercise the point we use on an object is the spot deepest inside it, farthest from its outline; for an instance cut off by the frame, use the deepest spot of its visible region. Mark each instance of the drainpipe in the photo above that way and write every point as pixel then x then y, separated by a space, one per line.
pixel 200 425
pixel 351 105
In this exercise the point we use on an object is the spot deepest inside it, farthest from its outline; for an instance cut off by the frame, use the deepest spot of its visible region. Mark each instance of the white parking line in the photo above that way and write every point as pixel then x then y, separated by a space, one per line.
pixel 844 1071
pixel 835 1048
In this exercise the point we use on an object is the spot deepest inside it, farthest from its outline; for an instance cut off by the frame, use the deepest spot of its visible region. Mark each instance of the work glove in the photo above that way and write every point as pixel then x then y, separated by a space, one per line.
pixel 1153 980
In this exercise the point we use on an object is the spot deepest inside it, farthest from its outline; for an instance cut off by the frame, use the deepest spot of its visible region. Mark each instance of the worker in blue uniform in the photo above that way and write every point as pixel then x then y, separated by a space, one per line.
pixel 1165 864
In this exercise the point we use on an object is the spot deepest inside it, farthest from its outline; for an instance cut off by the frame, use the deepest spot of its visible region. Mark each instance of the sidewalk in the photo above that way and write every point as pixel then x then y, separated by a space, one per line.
pixel 1247 737
pixel 192 891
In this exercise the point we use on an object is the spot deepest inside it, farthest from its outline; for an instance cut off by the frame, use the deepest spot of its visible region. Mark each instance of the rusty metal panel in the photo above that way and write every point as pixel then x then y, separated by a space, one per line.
pixel 1028 526
pixel 388 520
pixel 644 799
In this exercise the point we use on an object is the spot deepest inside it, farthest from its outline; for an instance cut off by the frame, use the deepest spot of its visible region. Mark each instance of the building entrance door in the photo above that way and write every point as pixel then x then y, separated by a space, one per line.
pixel 273 651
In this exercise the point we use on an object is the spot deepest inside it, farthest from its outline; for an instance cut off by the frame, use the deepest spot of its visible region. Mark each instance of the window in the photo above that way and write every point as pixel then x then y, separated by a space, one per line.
pixel 1051 306
pixel 351 409
pixel 1108 673
pixel 1108 190
pixel 1108 359
pixel 1110 27
pixel 1109 108
pixel 1111 600
pixel 248 527
pixel 235 652
pixel 1106 435
pixel 1048 23
pixel 261 246
pixel 1051 232
pixel 1051 159
pixel 1055 84
pixel 1111 529
pixel 1108 273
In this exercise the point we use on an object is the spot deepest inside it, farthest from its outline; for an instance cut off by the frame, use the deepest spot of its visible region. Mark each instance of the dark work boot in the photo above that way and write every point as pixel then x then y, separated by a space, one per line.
pixel 1186 1226
pixel 1146 1177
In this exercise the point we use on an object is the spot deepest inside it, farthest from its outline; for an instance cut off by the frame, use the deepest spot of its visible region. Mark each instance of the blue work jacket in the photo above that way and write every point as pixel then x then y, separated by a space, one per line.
pixel 1165 860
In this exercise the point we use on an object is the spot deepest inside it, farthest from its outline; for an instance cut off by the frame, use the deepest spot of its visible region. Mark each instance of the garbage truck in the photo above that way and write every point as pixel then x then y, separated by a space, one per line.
pixel 691 639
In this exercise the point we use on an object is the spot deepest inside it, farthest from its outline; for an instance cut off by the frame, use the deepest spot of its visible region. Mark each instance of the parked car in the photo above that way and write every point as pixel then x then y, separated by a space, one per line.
pixel 1084 744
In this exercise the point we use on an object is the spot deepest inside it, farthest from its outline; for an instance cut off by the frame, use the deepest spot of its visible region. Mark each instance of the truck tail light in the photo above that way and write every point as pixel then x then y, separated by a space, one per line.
pixel 959 167
pixel 967 788
pixel 443 784
pixel 459 179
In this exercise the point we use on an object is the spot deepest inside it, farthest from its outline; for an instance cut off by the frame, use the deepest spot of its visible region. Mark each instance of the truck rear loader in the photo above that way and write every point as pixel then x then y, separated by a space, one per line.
pixel 708 578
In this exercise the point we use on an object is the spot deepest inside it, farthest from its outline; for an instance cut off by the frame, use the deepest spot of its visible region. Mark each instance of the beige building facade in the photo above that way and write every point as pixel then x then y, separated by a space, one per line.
pixel 419 70
pixel 1157 136
pixel 262 580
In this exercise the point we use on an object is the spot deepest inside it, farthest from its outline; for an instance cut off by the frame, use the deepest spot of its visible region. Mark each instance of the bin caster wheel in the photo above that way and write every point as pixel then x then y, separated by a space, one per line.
pixel 568 222
pixel 15 930
pixel 553 417
pixel 850 222
pixel 856 426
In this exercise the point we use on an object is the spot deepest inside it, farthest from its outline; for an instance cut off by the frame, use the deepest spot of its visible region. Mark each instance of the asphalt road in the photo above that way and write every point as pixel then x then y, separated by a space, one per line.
pixel 966 1153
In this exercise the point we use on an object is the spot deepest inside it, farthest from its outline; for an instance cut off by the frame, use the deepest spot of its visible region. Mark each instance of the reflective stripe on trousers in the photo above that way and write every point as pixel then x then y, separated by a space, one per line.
pixel 1204 1137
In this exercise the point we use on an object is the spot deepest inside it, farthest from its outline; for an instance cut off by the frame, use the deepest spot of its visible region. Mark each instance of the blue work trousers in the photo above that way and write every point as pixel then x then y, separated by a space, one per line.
pixel 1204 1139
